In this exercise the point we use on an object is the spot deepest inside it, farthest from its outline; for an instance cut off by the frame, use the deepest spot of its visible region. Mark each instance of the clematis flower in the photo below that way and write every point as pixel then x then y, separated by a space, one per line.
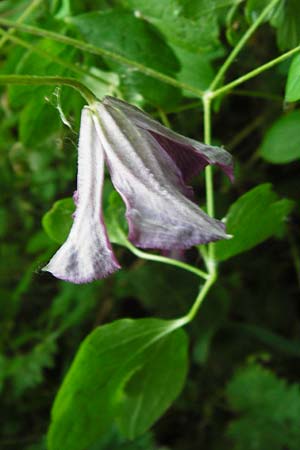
pixel 150 167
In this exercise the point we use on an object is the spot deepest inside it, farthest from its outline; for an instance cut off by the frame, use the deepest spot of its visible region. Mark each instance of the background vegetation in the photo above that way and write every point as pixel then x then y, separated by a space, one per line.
pixel 242 390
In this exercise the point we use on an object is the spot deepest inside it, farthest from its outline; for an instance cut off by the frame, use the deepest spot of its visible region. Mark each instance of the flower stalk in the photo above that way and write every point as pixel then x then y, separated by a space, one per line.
pixel 34 80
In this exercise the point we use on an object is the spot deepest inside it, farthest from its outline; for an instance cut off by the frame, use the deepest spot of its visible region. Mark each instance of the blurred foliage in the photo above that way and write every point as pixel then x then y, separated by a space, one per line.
pixel 251 317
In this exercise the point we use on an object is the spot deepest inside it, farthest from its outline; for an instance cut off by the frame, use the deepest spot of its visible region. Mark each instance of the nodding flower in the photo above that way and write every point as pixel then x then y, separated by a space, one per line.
pixel 150 166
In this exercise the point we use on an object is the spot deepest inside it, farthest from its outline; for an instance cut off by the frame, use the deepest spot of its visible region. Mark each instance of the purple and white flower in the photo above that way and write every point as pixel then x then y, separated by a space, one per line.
pixel 150 167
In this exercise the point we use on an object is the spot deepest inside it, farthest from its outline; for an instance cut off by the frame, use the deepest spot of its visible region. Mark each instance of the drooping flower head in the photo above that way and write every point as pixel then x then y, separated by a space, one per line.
pixel 150 167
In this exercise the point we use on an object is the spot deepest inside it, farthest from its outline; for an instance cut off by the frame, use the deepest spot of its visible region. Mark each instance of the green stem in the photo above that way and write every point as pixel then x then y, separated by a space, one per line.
pixel 208 171
pixel 254 73
pixel 165 260
pixel 20 19
pixel 40 80
pixel 209 178
pixel 101 52
pixel 199 299
pixel 241 44
pixel 164 118
pixel 43 53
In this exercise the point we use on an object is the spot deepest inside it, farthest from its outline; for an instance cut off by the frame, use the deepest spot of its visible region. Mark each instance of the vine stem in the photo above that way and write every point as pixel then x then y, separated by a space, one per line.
pixel 44 54
pixel 199 299
pixel 164 259
pixel 101 52
pixel 221 72
pixel 42 80
pixel 254 73
pixel 209 184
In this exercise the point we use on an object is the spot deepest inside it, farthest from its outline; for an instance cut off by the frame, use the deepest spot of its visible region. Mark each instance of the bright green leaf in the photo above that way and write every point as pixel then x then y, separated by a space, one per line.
pixel 253 218
pixel 292 92
pixel 121 369
pixel 281 143
pixel 58 221
pixel 196 70
pixel 192 30
pixel 115 221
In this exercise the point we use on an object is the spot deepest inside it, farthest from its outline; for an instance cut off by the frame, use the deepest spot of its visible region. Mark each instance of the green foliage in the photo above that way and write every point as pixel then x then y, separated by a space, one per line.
pixel 268 409
pixel 134 39
pixel 253 309
pixel 58 221
pixel 285 17
pixel 292 92
pixel 287 22
pixel 281 143
pixel 119 374
pixel 253 218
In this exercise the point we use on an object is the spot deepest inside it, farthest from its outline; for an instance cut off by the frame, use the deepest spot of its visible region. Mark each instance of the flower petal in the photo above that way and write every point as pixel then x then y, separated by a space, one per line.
pixel 87 254
pixel 158 213
pixel 189 155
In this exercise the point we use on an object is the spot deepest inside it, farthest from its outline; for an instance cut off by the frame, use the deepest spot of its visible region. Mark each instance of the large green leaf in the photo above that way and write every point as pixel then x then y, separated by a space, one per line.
pixel 190 25
pixel 127 372
pixel 252 219
pixel 281 143
pixel 123 33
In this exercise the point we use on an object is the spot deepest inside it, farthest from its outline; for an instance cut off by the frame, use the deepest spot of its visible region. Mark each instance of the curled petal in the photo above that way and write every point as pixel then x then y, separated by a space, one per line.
pixel 159 214
pixel 189 155
pixel 87 254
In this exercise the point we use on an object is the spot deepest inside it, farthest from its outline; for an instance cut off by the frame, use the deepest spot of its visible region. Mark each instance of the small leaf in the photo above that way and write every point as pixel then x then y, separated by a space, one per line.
pixel 281 143
pixel 253 218
pixel 292 92
pixel 58 221
pixel 129 371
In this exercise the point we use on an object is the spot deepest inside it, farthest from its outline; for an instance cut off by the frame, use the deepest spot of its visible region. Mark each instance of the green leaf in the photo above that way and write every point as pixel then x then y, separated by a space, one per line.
pixel 115 221
pixel 32 122
pixel 191 26
pixel 196 70
pixel 286 20
pixel 281 143
pixel 285 17
pixel 152 388
pixel 267 410
pixel 292 91
pixel 253 218
pixel 121 32
pixel 127 372
pixel 58 221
